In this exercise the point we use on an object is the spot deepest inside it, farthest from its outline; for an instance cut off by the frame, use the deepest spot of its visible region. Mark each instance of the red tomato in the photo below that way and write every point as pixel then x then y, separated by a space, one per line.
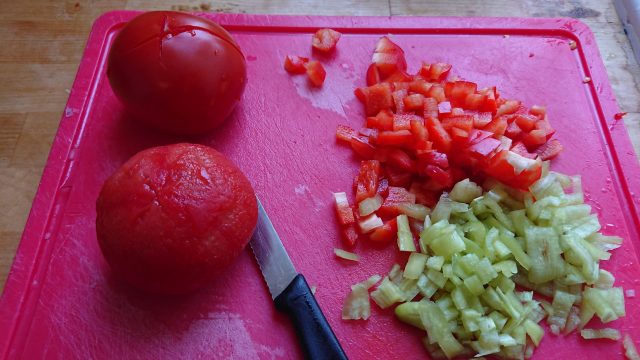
pixel 176 72
pixel 316 73
pixel 295 64
pixel 174 217
pixel 325 40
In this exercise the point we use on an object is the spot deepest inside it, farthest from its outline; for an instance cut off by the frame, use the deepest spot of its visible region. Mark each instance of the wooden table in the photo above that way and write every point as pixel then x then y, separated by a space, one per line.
pixel 42 43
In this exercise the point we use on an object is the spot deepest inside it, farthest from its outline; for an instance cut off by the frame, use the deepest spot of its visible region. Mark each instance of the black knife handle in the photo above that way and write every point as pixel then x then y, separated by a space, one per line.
pixel 318 340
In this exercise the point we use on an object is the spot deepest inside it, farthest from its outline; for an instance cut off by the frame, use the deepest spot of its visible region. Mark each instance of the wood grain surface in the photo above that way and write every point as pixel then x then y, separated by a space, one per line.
pixel 42 43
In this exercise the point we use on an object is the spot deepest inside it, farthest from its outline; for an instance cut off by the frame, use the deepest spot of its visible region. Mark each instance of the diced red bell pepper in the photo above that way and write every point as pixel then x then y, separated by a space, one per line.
pixel 513 131
pixel 497 126
pixel 534 138
pixel 362 147
pixel 437 92
pixel 544 125
pixel 375 98
pixel 402 122
pixel 395 138
pixel 458 91
pixel 526 122
pixel 325 40
pixel 476 135
pixel 521 150
pixel 549 149
pixel 386 233
pixel 367 183
pixel 437 134
pixel 399 77
pixel 474 101
pixel 423 196
pixel 316 73
pixel 480 119
pixel 420 86
pixel 459 137
pixel 345 133
pixel 371 134
pixel 396 196
pixel 401 86
pixel 295 64
pixel 383 187
pixel 490 104
pixel 388 57
pixel 373 76
pixel 383 121
pixel 350 235
pixel 398 177
pixel 498 167
pixel 508 107
pixel 398 100
pixel 464 122
pixel 436 158
pixel 422 147
pixel 430 108
pixel 401 160
pixel 418 129
pixel 441 176
pixel 538 111
pixel 484 148
pixel 435 72
pixel 457 174
pixel 444 108
pixel 414 102
pixel 343 209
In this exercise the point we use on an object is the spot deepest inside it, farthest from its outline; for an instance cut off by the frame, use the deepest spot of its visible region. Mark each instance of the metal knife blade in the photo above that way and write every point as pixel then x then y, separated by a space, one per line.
pixel 276 267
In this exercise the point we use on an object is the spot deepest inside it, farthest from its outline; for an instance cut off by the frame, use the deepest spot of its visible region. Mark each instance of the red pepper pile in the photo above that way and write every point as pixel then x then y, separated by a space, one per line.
pixel 424 133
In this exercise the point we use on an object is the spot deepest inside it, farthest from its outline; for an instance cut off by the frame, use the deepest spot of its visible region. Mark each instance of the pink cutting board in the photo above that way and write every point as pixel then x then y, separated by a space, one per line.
pixel 60 301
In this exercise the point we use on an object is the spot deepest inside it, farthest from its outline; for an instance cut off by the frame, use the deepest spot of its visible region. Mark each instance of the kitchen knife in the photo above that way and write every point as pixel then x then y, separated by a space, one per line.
pixel 291 293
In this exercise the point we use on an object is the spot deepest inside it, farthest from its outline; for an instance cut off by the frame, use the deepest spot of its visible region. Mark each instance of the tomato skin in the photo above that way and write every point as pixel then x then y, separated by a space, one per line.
pixel 174 217
pixel 159 54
